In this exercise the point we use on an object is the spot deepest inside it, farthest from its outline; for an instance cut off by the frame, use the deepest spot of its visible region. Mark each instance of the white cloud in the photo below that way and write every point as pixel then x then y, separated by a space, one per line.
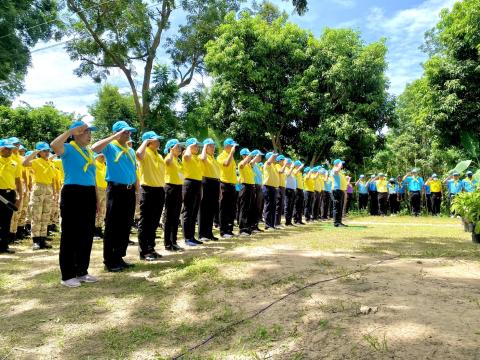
pixel 345 3
pixel 405 31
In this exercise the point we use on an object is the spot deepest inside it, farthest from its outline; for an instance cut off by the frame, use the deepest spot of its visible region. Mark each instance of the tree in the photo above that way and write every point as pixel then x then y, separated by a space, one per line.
pixel 33 124
pixel 23 23
pixel 127 33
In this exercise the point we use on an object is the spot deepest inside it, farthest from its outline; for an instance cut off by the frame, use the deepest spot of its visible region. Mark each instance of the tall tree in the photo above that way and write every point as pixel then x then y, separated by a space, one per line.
pixel 22 24
pixel 126 34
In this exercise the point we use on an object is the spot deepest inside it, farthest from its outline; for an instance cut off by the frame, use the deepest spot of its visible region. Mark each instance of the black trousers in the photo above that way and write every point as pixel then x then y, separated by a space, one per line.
pixel 208 207
pixel 428 200
pixel 338 200
pixel 289 205
pixel 382 203
pixel 415 201
pixel 78 208
pixel 299 203
pixel 152 200
pixel 173 206
pixel 118 222
pixel 373 202
pixel 436 202
pixel 316 205
pixel 362 201
pixel 393 203
pixel 270 201
pixel 258 205
pixel 327 204
pixel 349 202
pixel 191 194
pixel 280 205
pixel 309 197
pixel 227 208
pixel 6 217
pixel 246 207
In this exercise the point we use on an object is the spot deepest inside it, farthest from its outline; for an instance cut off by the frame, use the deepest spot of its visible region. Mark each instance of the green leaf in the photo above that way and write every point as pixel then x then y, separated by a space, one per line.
pixel 461 167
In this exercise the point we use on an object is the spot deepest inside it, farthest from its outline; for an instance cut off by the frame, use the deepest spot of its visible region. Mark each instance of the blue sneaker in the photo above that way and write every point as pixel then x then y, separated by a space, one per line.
pixel 190 243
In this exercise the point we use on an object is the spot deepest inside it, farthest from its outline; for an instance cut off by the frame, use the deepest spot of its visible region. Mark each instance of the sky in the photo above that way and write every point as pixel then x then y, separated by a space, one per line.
pixel 402 22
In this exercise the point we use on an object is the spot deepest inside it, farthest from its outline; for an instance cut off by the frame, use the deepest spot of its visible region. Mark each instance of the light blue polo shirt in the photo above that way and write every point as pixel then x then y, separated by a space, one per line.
pixel 469 186
pixel 336 180
pixel 401 187
pixel 392 188
pixel 291 182
pixel 257 173
pixel 328 186
pixel 454 188
pixel 124 170
pixel 427 189
pixel 414 184
pixel 372 186
pixel 73 164
pixel 362 188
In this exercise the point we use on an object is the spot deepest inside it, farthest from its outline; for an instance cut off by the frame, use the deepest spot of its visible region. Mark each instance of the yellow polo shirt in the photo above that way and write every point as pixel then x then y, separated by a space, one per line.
pixel 211 168
pixel 299 178
pixel 270 175
pixel 152 169
pixel 246 175
pixel 309 183
pixel 172 172
pixel 227 173
pixel 43 171
pixel 9 171
pixel 59 166
pixel 192 168
pixel 100 174
pixel 282 178
pixel 319 184
pixel 382 186
pixel 435 186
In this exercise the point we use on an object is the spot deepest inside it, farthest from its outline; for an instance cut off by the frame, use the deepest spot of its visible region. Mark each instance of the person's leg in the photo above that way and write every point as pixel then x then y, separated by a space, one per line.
pixel 170 206
pixel 46 211
pixel 86 217
pixel 101 201
pixel 259 204
pixel 36 204
pixel 5 219
pixel 279 206
pixel 245 204
pixel 337 206
pixel 188 195
pixel 208 207
pixel 224 208
pixel 148 222
pixel 177 194
pixel 69 238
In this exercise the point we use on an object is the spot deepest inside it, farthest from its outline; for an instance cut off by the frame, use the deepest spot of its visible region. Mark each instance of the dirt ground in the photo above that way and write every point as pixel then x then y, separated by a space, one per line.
pixel 391 288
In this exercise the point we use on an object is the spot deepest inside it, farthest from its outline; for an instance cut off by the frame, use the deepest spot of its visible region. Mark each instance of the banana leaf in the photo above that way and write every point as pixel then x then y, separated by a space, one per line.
pixel 461 167
pixel 476 176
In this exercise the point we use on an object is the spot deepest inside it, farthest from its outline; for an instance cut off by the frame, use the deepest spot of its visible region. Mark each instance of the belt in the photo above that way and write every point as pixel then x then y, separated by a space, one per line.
pixel 7 191
pixel 415 191
pixel 128 187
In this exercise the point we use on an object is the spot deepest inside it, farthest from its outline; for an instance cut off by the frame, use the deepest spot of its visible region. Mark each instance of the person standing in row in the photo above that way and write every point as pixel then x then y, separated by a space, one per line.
pixel 469 184
pixel 41 200
pixel 23 230
pixel 228 179
pixel 270 186
pixel 10 190
pixel 257 206
pixel 100 179
pixel 339 186
pixel 246 194
pixel 309 182
pixel 454 186
pixel 18 158
pixel 121 197
pixel 152 194
pixel 210 191
pixel 382 194
pixel 362 189
pixel 436 192
pixel 290 189
pixel 318 199
pixel 191 190
pixel 392 188
pixel 414 186
pixel 78 203
pixel 373 195
pixel 282 177
pixel 173 194
pixel 299 197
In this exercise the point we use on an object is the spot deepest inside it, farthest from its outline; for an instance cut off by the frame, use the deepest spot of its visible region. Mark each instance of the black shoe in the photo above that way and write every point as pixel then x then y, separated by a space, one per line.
pixel 126 265
pixel 157 255
pixel 12 237
pixel 198 242
pixel 114 268
pixel 43 244
pixel 214 238
pixel 20 235
pixel 99 232
pixel 7 250
pixel 258 229
pixel 177 248
pixel 343 225
pixel 148 257
pixel 169 248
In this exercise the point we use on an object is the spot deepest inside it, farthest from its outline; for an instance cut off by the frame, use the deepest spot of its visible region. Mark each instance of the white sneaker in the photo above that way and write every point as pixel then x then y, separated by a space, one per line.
pixel 87 279
pixel 226 236
pixel 71 283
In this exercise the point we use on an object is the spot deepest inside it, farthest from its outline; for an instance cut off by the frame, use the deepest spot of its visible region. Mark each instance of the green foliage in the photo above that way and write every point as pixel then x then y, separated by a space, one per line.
pixel 33 124
pixel 23 23
pixel 461 167
pixel 467 205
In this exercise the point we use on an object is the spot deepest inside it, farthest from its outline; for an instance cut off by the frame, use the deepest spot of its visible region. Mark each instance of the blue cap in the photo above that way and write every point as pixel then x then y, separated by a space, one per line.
pixel 22 147
pixel 469 172
pixel 434 175
pixel 281 158
pixel 362 176
pixel 192 141
pixel 208 141
pixel 297 163
pixel 269 154
pixel 229 142
pixel 122 125
pixel 28 153
pixel 307 169
pixel 372 176
pixel 289 161
pixel 151 135
pixel 79 123
pixel 456 174
pixel 392 179
pixel 338 161
pixel 42 146
pixel 5 143
pixel 316 169
pixel 245 152
pixel 14 140
pixel 170 143
pixel 257 152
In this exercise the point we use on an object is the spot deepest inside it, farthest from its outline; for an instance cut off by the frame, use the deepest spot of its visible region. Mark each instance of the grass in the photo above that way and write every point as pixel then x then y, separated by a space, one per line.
pixel 157 310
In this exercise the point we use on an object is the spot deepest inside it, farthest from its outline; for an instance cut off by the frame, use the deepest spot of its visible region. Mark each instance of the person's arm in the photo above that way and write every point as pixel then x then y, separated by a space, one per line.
pixel 406 175
pixel 143 149
pixel 203 155
pixel 187 155
pixel 289 170
pixel 101 144
pixel 447 178
pixel 58 145
pixel 230 156
pixel 296 171
pixel 244 162
pixel 169 158
pixel 28 160
pixel 18 185
pixel 282 169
